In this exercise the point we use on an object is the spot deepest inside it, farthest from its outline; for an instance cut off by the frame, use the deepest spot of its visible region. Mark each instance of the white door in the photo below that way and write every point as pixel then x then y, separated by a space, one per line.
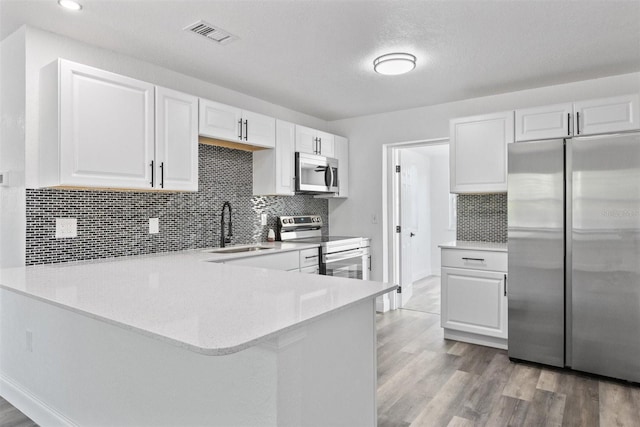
pixel 219 120
pixel 306 140
pixel 285 162
pixel 106 128
pixel 176 140
pixel 617 114
pixel 259 129
pixel 326 144
pixel 408 223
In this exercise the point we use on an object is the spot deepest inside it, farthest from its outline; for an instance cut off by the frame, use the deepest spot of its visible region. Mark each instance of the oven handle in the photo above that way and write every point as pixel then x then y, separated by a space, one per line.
pixel 341 256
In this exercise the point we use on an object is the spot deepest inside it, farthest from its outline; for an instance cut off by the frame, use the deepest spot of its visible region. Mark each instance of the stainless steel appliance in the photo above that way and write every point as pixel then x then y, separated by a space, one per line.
pixel 339 256
pixel 574 253
pixel 316 174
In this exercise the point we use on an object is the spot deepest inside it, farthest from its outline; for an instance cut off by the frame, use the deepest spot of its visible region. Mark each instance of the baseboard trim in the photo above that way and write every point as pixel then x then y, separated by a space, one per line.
pixel 475 339
pixel 30 405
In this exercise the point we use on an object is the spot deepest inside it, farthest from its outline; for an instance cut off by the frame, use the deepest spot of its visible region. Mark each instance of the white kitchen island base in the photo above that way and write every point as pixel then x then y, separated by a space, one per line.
pixel 61 367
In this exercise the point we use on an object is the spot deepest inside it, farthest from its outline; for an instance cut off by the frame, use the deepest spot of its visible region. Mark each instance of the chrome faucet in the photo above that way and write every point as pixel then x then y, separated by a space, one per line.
pixel 224 240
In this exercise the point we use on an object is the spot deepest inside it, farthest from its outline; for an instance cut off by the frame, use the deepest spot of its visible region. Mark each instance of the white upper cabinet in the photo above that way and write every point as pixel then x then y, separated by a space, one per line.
pixel 313 141
pixel 176 159
pixel 97 130
pixel 273 170
pixel 597 116
pixel 607 115
pixel 221 121
pixel 478 152
pixel 548 122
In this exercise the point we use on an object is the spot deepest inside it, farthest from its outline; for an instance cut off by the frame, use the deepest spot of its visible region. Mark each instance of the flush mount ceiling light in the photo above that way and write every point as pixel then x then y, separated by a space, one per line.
pixel 70 4
pixel 393 64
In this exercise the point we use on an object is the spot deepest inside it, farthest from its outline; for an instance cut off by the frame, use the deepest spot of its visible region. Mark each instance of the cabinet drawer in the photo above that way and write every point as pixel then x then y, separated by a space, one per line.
pixel 476 260
pixel 310 270
pixel 309 257
pixel 280 261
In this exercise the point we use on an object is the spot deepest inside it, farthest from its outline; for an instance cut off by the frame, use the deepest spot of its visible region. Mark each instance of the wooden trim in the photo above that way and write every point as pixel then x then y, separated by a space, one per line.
pixel 229 144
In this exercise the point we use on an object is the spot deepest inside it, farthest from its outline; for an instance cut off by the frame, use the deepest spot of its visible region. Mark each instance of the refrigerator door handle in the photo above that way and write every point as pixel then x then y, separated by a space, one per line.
pixel 568 124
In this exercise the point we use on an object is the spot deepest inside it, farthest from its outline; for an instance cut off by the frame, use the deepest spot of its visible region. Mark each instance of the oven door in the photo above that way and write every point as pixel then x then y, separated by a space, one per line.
pixel 316 174
pixel 351 264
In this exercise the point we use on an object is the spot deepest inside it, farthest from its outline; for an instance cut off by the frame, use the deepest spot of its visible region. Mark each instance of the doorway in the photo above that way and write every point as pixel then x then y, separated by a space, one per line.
pixel 421 215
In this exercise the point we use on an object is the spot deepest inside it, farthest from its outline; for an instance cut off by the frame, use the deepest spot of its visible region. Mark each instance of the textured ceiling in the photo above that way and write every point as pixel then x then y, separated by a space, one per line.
pixel 316 56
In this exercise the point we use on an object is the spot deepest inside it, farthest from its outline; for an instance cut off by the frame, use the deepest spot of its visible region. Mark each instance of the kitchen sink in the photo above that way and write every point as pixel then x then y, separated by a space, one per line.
pixel 237 250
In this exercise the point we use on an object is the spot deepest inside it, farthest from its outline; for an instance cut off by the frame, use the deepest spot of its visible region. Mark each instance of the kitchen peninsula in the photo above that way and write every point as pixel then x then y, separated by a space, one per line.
pixel 171 339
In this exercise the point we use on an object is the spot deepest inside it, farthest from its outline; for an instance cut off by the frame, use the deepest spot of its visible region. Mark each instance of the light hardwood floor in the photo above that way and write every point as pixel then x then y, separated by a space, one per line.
pixel 424 380
pixel 426 295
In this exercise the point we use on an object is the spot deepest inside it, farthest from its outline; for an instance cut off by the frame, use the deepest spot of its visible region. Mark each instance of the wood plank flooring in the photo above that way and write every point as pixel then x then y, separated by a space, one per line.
pixel 426 295
pixel 424 380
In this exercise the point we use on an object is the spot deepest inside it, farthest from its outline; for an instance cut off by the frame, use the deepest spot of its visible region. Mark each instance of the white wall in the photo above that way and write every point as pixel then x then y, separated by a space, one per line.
pixel 439 195
pixel 12 153
pixel 367 134
pixel 44 47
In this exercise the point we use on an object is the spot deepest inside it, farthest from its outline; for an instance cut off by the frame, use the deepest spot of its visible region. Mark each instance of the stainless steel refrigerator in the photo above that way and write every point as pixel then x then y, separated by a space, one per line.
pixel 574 253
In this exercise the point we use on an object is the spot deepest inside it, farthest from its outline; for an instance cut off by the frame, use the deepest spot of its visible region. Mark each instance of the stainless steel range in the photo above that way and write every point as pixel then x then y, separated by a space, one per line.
pixel 339 256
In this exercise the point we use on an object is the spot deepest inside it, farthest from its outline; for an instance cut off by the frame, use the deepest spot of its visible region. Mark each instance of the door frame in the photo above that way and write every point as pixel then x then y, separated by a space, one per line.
pixel 390 215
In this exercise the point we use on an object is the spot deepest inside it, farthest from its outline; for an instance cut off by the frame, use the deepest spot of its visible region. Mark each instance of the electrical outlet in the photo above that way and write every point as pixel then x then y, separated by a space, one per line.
pixel 66 228
pixel 29 341
pixel 154 225
pixel 263 218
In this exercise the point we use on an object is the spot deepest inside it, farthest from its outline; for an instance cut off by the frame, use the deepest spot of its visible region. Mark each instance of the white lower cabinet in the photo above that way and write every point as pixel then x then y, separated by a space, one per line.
pixel 474 297
pixel 305 261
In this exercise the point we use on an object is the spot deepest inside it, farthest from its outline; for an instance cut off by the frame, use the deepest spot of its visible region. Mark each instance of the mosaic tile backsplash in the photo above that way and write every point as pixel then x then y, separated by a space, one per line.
pixel 112 224
pixel 482 217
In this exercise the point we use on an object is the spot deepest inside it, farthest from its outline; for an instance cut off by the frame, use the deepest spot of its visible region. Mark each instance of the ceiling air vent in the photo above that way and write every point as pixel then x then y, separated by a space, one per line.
pixel 207 30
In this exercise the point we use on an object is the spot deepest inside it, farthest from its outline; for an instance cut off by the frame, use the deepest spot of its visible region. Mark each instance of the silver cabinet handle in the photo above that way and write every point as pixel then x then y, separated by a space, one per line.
pixel 152 170
pixel 312 256
pixel 240 124
pixel 578 123
pixel 569 124
pixel 246 129
pixel 161 174
pixel 473 259
pixel 505 285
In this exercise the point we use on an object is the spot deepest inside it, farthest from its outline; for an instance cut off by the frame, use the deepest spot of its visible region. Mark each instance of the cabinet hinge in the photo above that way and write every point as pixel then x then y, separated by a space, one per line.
pixel 398 168
pixel 399 290
pixel 398 229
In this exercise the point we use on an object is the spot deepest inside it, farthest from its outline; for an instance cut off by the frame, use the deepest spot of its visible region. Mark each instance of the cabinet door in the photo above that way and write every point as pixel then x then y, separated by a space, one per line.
pixel 259 129
pixel 326 143
pixel 106 128
pixel 219 120
pixel 342 154
pixel 285 160
pixel 548 122
pixel 306 140
pixel 478 153
pixel 176 140
pixel 474 301
pixel 607 115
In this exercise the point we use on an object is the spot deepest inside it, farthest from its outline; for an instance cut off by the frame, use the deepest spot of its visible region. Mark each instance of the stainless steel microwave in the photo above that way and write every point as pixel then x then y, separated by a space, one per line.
pixel 316 174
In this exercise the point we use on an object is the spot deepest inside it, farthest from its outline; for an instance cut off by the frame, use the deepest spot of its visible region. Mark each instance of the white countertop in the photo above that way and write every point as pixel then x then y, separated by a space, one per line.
pixel 476 246
pixel 207 307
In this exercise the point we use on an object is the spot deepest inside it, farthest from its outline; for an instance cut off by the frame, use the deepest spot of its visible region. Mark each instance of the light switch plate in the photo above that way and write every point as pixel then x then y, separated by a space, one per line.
pixel 263 218
pixel 154 225
pixel 66 228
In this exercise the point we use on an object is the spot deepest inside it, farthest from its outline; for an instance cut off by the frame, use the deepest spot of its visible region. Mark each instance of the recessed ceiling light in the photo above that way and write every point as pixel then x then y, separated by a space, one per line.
pixel 70 4
pixel 393 64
